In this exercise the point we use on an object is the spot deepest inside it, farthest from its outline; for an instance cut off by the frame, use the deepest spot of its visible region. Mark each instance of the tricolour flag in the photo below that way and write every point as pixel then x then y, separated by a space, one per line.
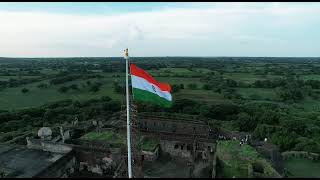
pixel 146 88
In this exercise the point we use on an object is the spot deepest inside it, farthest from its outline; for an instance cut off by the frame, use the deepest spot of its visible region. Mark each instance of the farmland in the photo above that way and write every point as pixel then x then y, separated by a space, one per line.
pixel 276 98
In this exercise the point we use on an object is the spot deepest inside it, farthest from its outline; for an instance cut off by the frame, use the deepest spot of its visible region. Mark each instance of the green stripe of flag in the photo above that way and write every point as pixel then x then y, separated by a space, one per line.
pixel 147 96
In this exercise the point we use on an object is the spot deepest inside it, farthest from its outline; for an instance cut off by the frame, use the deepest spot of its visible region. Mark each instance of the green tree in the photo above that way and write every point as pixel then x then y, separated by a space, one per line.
pixel 112 106
pixel 269 117
pixel 94 88
pixel 246 122
pixel 25 90
pixel 43 85
pixel 291 92
pixel 307 144
pixel 204 111
pixel 74 87
pixel 207 87
pixel 63 89
pixel 192 86
pixel 175 88
pixel 118 89
pixel 285 139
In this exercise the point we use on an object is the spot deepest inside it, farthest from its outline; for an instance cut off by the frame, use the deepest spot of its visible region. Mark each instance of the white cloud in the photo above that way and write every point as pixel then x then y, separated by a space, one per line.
pixel 49 34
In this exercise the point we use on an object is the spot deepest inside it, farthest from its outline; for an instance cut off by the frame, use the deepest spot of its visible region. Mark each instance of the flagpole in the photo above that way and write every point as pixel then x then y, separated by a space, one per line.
pixel 126 56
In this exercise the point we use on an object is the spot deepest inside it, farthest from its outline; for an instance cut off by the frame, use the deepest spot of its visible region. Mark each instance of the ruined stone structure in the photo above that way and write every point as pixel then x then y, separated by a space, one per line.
pixel 160 124
pixel 300 154
pixel 95 161
pixel 45 133
pixel 180 138
pixel 270 152
pixel 47 156
pixel 187 139
pixel 21 161
pixel 150 155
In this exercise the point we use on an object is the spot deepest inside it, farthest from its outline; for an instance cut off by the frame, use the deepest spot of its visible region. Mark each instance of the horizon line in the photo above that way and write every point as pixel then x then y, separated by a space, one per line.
pixel 166 57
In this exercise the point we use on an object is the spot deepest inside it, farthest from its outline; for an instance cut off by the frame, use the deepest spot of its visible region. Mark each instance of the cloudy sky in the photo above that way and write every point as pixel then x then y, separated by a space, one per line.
pixel 159 29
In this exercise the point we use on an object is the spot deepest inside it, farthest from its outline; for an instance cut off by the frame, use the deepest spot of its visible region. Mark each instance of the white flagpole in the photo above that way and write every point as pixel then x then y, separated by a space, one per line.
pixel 126 56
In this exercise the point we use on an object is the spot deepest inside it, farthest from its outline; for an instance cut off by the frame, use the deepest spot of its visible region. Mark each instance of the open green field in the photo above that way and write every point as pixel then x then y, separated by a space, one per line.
pixel 201 95
pixel 179 72
pixel 248 77
pixel 302 168
pixel 13 98
pixel 257 93
pixel 310 104
pixel 7 78
pixel 49 71
pixel 178 80
pixel 310 77
pixel 168 71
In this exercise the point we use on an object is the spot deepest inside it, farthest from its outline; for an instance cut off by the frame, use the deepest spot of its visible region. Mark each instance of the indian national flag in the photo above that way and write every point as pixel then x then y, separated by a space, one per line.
pixel 146 88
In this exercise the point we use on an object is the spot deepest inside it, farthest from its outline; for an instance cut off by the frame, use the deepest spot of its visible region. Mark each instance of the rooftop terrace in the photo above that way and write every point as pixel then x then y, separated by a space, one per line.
pixel 19 161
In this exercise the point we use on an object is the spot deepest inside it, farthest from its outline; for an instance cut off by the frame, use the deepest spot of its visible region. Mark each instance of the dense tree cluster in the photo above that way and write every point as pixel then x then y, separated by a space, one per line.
pixel 15 123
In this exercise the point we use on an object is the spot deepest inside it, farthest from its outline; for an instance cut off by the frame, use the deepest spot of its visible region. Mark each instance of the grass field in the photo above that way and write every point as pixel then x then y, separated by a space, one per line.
pixel 200 95
pixel 248 77
pixel 309 77
pixel 13 98
pixel 108 136
pixel 7 78
pixel 202 70
pixel 168 71
pixel 149 144
pixel 178 80
pixel 178 72
pixel 302 168
pixel 49 71
pixel 235 159
pixel 259 93
pixel 310 104
pixel 228 154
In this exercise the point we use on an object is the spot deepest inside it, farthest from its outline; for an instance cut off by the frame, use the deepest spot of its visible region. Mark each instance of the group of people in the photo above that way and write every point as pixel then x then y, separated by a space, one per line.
pixel 242 141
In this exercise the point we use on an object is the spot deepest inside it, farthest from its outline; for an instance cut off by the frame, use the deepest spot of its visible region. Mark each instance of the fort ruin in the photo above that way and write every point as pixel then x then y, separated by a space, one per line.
pixel 77 150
